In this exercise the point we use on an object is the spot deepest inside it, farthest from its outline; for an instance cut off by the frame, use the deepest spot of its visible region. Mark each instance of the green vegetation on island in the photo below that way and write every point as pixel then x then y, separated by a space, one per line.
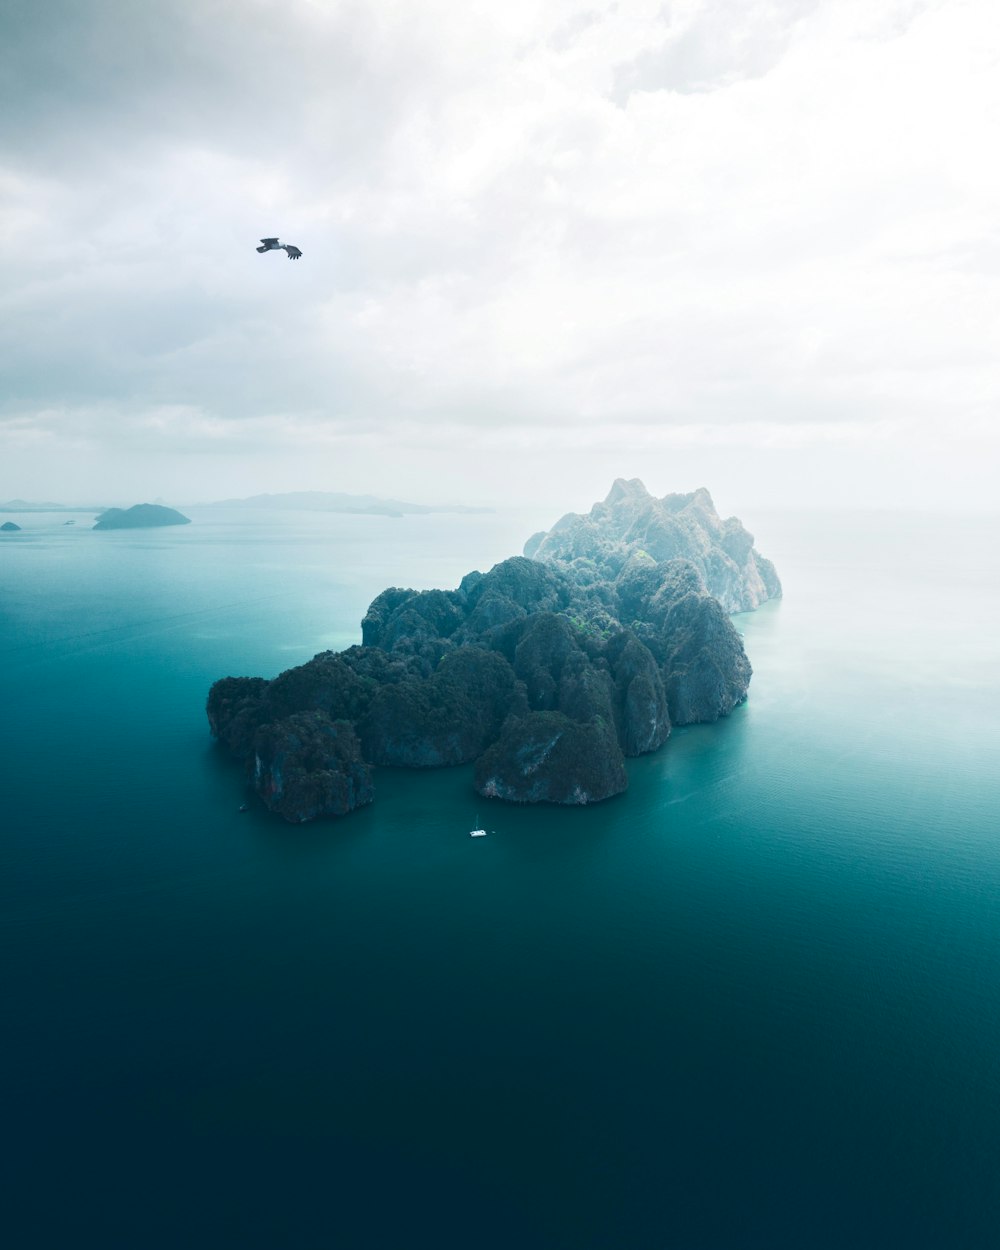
pixel 547 673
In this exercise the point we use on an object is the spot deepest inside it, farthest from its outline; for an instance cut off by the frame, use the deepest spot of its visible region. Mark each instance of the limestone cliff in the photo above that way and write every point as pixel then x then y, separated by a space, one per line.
pixel 308 765
pixel 546 675
pixel 632 522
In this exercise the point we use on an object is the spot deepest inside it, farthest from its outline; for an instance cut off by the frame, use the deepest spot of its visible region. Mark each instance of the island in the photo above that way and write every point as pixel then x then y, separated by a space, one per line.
pixel 631 521
pixel 545 673
pixel 27 505
pixel 9 527
pixel 141 516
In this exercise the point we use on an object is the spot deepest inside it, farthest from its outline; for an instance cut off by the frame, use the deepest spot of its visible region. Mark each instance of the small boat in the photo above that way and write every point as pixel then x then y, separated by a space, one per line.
pixel 477 833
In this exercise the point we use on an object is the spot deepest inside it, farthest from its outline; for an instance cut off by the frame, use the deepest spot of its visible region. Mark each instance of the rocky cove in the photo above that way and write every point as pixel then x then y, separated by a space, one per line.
pixel 547 672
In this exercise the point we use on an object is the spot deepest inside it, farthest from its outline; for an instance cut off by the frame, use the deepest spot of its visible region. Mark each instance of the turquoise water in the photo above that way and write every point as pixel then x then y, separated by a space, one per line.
pixel 754 1002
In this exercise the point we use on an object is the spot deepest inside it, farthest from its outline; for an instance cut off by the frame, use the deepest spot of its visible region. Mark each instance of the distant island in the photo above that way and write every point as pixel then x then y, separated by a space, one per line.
pixel 9 527
pixel 547 673
pixel 292 501
pixel 338 501
pixel 141 516
pixel 26 505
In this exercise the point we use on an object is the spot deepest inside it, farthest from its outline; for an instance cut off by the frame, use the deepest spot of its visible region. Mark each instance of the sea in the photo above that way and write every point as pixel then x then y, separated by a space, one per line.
pixel 751 1004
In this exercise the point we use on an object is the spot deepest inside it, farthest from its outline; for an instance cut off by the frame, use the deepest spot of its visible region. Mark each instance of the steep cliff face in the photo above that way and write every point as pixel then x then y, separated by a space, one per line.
pixel 307 765
pixel 546 757
pixel 236 710
pixel 548 674
pixel 447 718
pixel 707 670
pixel 631 521
pixel 642 713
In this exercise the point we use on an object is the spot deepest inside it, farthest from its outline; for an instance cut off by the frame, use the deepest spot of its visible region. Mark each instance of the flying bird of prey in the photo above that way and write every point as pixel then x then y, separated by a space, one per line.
pixel 272 245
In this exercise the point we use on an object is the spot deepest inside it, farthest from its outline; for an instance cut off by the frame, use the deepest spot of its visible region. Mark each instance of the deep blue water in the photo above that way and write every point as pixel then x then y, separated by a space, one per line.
pixel 754 1002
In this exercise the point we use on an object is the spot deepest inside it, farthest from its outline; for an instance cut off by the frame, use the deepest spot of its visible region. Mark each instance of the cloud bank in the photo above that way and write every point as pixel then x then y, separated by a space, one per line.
pixel 706 241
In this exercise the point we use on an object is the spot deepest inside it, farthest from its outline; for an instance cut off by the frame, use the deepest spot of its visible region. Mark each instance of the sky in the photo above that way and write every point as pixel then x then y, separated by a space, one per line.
pixel 747 245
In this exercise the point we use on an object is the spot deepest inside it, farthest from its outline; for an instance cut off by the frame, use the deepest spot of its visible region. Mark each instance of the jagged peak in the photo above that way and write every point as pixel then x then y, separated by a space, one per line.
pixel 678 526
pixel 702 497
pixel 631 488
pixel 699 498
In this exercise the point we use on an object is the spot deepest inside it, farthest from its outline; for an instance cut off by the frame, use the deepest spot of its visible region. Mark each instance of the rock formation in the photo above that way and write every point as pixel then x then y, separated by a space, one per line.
pixel 547 757
pixel 546 672
pixel 9 527
pixel 141 516
pixel 308 765
pixel 632 522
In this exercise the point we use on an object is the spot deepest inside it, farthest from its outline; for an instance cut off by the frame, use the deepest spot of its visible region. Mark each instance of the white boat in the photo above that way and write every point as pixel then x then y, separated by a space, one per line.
pixel 477 833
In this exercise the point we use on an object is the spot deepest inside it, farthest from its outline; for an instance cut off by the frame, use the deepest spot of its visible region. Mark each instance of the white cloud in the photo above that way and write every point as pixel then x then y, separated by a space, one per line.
pixel 701 224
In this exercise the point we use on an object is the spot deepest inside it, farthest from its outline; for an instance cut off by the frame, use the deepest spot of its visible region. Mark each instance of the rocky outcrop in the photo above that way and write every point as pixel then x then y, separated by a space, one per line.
pixel 546 757
pixel 447 718
pixel 141 516
pixel 9 527
pixel 236 710
pixel 642 713
pixel 307 765
pixel 632 522
pixel 706 669
pixel 547 674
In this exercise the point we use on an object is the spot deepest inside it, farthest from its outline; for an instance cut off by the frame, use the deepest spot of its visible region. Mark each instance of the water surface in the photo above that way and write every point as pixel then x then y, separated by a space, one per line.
pixel 753 1002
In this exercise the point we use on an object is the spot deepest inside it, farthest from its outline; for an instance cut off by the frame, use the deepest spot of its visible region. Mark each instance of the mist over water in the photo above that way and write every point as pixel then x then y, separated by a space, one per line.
pixel 750 1003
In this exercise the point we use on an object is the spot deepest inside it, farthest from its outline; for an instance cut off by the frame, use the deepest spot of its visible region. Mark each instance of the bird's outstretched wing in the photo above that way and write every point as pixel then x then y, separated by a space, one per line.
pixel 293 252
pixel 270 242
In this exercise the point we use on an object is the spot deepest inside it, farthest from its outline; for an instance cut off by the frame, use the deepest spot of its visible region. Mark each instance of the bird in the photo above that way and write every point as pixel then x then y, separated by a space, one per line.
pixel 272 245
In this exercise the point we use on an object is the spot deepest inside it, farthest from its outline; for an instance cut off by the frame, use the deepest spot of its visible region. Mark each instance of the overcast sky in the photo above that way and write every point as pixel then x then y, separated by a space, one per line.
pixel 748 245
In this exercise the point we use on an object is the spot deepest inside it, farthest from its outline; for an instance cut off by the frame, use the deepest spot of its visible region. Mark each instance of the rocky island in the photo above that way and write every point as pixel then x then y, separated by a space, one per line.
pixel 686 527
pixel 141 516
pixel 546 672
